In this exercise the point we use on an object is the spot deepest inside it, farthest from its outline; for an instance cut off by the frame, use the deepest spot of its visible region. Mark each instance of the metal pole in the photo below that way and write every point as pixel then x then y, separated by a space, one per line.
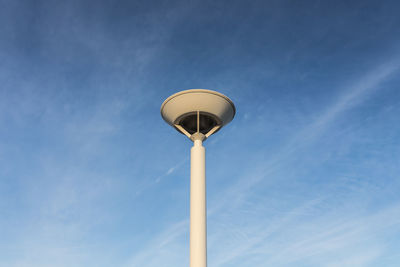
pixel 198 224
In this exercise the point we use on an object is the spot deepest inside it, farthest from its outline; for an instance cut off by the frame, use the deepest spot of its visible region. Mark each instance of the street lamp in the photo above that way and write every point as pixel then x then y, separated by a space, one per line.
pixel 198 113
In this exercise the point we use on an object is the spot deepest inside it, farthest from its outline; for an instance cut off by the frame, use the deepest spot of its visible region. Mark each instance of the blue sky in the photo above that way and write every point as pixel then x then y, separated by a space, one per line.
pixel 307 174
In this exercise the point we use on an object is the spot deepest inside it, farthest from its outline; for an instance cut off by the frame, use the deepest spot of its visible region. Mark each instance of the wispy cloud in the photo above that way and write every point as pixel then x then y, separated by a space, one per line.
pixel 312 230
pixel 166 247
pixel 291 239
pixel 314 240
pixel 353 94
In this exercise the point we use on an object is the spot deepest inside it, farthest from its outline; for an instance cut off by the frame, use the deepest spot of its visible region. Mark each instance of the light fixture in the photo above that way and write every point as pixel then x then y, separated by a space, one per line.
pixel 198 113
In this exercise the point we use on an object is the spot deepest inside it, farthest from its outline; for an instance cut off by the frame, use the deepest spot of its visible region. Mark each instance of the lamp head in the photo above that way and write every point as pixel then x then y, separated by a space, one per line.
pixel 197 112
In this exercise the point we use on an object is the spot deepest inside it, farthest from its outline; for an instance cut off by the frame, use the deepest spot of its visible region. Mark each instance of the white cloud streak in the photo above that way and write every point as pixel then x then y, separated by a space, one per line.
pixel 302 235
pixel 352 95
pixel 164 249
pixel 323 241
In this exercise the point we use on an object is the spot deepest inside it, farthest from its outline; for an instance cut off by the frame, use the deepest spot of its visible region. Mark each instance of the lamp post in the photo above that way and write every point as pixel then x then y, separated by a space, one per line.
pixel 198 113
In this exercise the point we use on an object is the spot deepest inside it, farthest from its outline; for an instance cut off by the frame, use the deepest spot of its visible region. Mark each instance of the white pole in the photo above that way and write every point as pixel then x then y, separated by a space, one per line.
pixel 198 224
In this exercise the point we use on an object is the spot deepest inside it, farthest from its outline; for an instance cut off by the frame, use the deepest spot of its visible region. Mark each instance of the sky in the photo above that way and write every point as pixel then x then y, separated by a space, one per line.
pixel 307 174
